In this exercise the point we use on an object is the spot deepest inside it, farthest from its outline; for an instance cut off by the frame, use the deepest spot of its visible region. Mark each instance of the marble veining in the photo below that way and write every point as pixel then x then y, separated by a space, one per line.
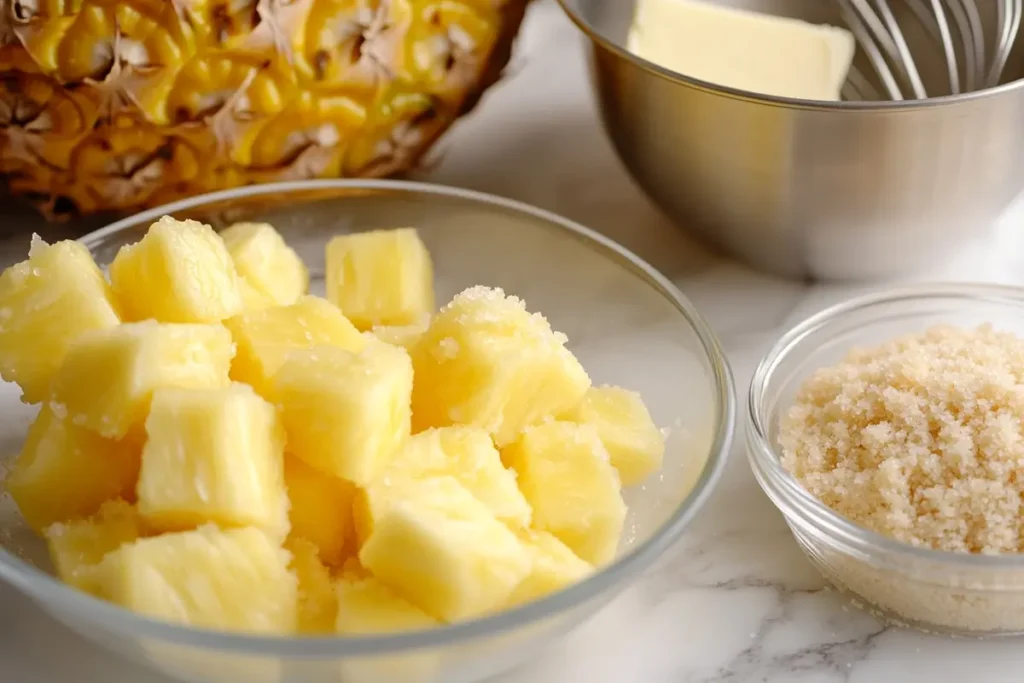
pixel 735 601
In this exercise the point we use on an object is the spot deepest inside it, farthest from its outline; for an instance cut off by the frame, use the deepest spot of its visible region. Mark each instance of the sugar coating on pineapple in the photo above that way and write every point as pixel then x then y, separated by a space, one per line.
pixel 266 263
pixel 488 362
pixel 634 443
pixel 67 472
pixel 345 414
pixel 78 546
pixel 555 567
pixel 180 272
pixel 233 580
pixel 108 376
pixel 321 510
pixel 46 302
pixel 565 474
pixel 380 277
pixel 318 601
pixel 442 549
pixel 213 455
pixel 264 338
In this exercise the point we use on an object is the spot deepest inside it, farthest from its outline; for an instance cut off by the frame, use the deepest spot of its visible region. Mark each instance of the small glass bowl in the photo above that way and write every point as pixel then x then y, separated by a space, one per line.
pixel 953 593
pixel 627 324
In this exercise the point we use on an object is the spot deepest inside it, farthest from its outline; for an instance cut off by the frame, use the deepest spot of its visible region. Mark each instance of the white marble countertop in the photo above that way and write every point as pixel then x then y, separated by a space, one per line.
pixel 736 601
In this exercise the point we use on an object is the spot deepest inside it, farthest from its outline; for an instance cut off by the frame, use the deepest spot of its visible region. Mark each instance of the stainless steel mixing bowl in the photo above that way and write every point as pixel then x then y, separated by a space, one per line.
pixel 847 190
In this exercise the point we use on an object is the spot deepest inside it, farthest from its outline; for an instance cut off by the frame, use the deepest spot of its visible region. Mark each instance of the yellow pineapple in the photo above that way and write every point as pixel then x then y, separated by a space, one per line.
pixel 263 338
pixel 213 455
pixel 180 272
pixel 233 580
pixel 266 263
pixel 405 336
pixel 46 302
pixel 318 602
pixel 465 453
pixel 115 106
pixel 321 510
pixel 566 476
pixel 634 444
pixel 555 567
pixel 443 550
pixel 78 546
pixel 345 413
pixel 66 472
pixel 108 376
pixel 380 277
pixel 486 361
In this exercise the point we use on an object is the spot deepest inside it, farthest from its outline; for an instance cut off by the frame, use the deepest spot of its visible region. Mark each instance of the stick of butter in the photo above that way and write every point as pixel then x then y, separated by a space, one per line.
pixel 743 49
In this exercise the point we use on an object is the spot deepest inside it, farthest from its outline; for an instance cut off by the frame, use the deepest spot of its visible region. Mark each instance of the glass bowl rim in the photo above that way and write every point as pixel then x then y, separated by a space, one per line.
pixel 49 591
pixel 792 499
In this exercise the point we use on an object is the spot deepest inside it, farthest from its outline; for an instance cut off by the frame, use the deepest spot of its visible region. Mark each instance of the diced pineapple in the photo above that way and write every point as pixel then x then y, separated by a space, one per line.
pixel 443 550
pixel 66 472
pixel 318 602
pixel 235 580
pixel 180 272
pixel 253 300
pixel 555 567
pixel 345 413
pixel 405 336
pixel 108 376
pixel 46 302
pixel 213 455
pixel 575 492
pixel 634 444
pixel 380 277
pixel 486 361
pixel 78 546
pixel 266 263
pixel 367 606
pixel 264 338
pixel 321 510
pixel 466 453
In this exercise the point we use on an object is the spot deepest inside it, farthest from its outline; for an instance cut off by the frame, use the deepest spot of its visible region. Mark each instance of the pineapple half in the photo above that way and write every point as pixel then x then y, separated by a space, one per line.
pixel 120 105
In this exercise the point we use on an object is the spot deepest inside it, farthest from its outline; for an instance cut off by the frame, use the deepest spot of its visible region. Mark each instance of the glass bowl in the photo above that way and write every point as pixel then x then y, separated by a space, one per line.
pixel 953 593
pixel 627 324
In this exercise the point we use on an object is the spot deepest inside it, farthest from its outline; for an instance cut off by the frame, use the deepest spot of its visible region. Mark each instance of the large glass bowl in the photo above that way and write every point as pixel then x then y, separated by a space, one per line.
pixel 628 325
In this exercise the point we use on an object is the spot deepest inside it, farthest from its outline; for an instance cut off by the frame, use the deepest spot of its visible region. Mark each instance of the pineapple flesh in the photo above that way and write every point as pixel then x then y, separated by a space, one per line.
pixel 77 547
pixel 231 580
pixel 66 472
pixel 487 361
pixel 108 377
pixel 555 567
pixel 317 599
pixel 266 264
pixel 46 302
pixel 180 272
pixel 405 336
pixel 345 413
pixel 213 455
pixel 380 277
pixel 264 338
pixel 321 510
pixel 565 474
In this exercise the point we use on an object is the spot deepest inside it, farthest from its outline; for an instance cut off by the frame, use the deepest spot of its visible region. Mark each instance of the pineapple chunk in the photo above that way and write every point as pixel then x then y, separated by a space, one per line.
pixel 318 602
pixel 381 277
pixel 46 302
pixel 180 272
pixel 213 455
pixel 266 263
pixel 405 336
pixel 466 453
pixel 555 567
pixel 575 492
pixel 345 413
pixel 443 550
pixel 108 376
pixel 233 580
pixel 486 361
pixel 321 510
pixel 634 444
pixel 78 546
pixel 66 472
pixel 367 606
pixel 264 338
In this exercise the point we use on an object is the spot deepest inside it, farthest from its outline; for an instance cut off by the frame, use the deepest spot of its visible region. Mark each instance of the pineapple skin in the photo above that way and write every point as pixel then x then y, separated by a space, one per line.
pixel 191 97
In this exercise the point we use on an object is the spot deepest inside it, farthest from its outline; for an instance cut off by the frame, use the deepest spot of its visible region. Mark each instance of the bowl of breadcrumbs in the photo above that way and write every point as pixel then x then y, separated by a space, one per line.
pixel 889 431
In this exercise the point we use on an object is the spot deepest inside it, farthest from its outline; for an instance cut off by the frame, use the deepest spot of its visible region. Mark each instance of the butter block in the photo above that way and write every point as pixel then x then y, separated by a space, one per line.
pixel 741 49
